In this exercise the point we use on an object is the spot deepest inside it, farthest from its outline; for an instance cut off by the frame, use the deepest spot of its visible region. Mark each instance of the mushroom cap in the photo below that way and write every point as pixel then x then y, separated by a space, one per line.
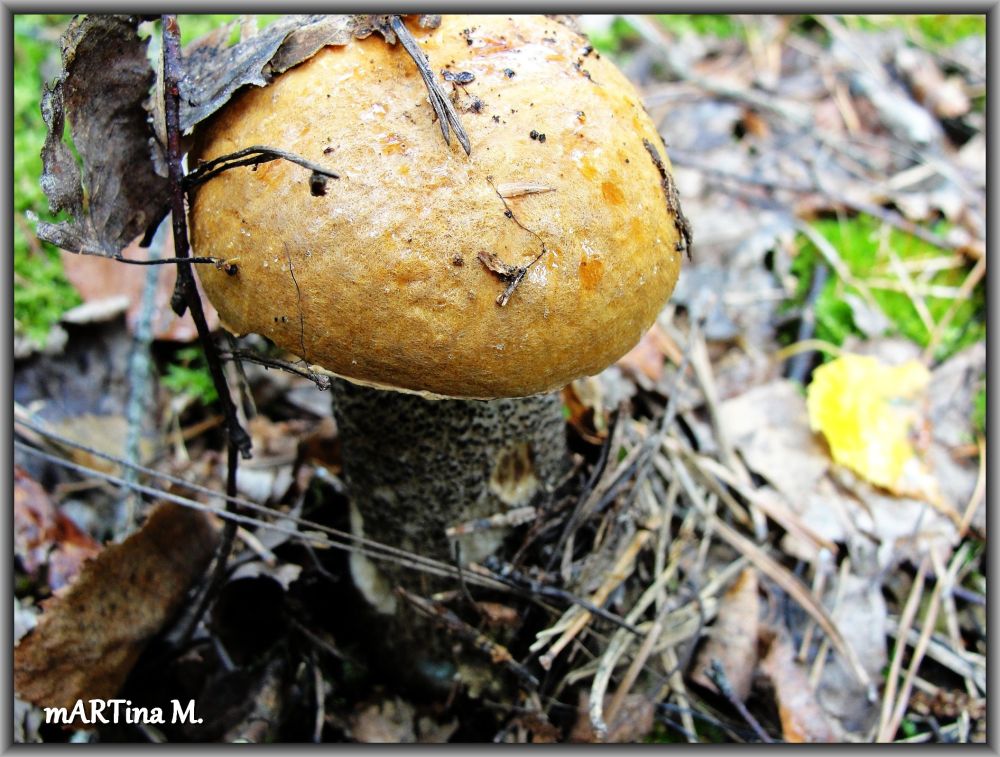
pixel 386 279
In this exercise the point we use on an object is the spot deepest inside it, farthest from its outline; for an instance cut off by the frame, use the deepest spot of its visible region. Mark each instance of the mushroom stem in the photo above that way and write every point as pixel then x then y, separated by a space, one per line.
pixel 416 467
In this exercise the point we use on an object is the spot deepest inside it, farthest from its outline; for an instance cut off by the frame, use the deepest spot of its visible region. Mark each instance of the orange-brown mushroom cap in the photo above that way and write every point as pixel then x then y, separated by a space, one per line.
pixel 392 277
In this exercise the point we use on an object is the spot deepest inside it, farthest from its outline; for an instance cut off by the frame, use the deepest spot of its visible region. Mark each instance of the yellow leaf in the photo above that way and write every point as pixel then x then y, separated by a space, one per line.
pixel 861 407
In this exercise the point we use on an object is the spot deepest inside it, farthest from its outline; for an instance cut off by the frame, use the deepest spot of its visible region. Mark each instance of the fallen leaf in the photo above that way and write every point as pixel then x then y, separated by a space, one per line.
pixel 633 721
pixel 802 719
pixel 104 433
pixel 99 279
pixel 387 722
pixel 769 426
pixel 647 357
pixel 861 617
pixel 104 80
pixel 862 407
pixel 266 699
pixel 44 537
pixel 585 411
pixel 732 639
pixel 92 632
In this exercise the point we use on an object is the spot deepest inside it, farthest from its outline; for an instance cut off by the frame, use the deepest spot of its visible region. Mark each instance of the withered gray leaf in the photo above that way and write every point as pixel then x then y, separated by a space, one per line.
pixel 104 90
pixel 104 80
pixel 61 177
pixel 213 71
pixel 305 41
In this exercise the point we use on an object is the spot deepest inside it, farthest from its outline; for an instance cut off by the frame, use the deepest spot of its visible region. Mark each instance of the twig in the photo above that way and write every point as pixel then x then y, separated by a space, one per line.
pixel 970 282
pixel 218 576
pixel 138 388
pixel 717 675
pixel 510 274
pixel 447 117
pixel 575 620
pixel 781 576
pixel 903 629
pixel 798 366
pixel 186 297
pixel 522 583
pixel 443 616
pixel 321 381
pixel 888 729
pixel 251 156
pixel 191 260
pixel 637 664
pixel 186 293
pixel 349 542
pixel 824 646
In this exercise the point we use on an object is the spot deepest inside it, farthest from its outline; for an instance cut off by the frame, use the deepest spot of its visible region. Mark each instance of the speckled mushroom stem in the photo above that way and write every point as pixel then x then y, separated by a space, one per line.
pixel 416 466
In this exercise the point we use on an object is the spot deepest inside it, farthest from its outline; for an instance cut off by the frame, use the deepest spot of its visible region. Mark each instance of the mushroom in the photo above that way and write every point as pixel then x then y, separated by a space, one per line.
pixel 453 293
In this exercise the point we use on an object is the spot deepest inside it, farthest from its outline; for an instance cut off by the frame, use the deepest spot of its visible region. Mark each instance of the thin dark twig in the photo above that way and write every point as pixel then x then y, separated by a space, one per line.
pixel 167 261
pixel 218 576
pixel 369 547
pixel 186 292
pixel 510 274
pixel 445 617
pixel 447 117
pixel 250 156
pixel 799 365
pixel 323 382
pixel 717 675
pixel 517 580
pixel 456 555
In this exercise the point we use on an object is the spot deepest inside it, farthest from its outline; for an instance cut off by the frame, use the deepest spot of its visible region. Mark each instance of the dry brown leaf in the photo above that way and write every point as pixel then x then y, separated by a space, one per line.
pixel 647 357
pixel 97 279
pixel 861 615
pixel 634 720
pixel 733 638
pixel 90 635
pixel 43 536
pixel 388 722
pixel 104 433
pixel 802 719
pixel 586 418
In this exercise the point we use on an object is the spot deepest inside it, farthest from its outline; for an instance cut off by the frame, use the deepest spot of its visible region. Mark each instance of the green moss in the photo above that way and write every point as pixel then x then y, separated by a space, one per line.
pixel 933 31
pixel 41 292
pixel 979 410
pixel 619 35
pixel 195 25
pixel 857 242
pixel 189 375
pixel 702 24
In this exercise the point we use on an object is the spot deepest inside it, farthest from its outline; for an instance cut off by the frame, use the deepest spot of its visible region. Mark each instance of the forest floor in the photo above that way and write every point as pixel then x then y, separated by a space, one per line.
pixel 780 499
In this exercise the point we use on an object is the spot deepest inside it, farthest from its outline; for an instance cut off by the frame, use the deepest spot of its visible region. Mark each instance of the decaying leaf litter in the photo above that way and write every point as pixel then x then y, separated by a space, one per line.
pixel 709 505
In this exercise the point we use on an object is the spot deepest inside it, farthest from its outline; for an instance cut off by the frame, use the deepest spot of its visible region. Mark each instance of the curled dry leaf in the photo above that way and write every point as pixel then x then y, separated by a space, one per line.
pixel 861 616
pixel 90 635
pixel 104 91
pixel 97 279
pixel 390 721
pixel 633 721
pixel 43 536
pixel 802 719
pixel 104 80
pixel 732 640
